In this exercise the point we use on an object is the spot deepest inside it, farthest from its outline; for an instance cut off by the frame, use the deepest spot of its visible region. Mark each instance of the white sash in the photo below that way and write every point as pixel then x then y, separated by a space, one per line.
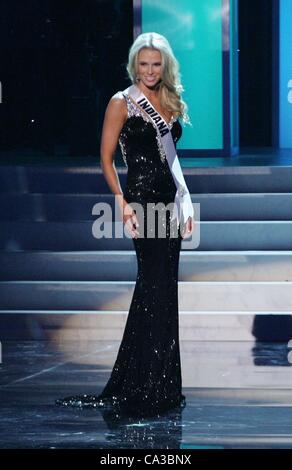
pixel 182 203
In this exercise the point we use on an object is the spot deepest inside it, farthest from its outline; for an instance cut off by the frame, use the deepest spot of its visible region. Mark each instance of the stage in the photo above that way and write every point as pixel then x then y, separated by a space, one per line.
pixel 238 395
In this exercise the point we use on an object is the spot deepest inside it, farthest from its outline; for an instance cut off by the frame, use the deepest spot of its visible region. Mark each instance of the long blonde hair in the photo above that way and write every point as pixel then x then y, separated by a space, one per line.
pixel 170 87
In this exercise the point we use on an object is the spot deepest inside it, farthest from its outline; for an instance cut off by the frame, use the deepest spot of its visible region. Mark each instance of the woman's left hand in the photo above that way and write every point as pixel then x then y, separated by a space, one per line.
pixel 188 228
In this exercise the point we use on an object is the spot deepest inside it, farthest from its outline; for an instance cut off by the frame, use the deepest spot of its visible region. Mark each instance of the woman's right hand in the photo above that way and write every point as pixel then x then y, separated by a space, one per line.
pixel 129 218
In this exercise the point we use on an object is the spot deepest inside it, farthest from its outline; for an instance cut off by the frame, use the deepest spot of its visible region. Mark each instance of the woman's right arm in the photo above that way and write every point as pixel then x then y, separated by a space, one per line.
pixel 114 119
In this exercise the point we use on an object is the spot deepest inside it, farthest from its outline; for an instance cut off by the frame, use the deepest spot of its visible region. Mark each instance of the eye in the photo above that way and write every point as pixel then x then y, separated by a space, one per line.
pixel 145 63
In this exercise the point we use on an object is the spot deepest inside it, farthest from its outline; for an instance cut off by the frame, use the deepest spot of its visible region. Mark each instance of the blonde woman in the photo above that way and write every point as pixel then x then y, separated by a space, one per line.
pixel 144 120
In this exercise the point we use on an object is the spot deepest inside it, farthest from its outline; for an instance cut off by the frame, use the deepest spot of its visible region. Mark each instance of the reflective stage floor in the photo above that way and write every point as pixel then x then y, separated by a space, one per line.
pixel 238 395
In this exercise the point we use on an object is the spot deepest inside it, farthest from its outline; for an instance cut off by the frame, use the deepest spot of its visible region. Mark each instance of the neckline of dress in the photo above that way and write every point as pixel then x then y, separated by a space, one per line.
pixel 172 116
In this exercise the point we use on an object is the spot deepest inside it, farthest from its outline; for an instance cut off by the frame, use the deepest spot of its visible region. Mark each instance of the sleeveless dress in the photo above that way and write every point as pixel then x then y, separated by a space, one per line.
pixel 146 376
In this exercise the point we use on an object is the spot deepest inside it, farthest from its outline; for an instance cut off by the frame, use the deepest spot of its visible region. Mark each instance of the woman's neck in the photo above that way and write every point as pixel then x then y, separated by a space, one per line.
pixel 151 93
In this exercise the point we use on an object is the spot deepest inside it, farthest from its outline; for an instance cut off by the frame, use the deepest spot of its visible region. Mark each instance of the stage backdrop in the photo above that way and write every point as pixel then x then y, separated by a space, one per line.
pixel 285 74
pixel 204 39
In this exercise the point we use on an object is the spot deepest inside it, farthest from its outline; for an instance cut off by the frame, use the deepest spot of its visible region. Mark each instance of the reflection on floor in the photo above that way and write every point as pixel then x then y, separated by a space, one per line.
pixel 238 395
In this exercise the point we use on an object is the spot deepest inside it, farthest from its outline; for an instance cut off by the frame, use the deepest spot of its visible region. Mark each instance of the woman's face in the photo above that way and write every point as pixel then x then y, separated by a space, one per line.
pixel 149 66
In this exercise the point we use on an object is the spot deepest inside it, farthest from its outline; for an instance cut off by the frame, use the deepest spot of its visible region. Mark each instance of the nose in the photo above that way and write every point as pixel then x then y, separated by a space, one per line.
pixel 150 69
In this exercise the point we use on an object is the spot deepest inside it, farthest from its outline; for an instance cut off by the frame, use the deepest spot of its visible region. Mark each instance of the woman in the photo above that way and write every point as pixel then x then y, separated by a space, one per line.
pixel 143 119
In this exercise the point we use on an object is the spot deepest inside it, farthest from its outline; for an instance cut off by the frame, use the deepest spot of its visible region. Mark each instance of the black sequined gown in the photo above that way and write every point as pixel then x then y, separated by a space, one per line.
pixel 146 377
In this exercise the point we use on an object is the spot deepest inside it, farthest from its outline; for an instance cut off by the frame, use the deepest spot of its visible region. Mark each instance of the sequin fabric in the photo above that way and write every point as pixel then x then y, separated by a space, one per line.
pixel 146 376
pixel 136 111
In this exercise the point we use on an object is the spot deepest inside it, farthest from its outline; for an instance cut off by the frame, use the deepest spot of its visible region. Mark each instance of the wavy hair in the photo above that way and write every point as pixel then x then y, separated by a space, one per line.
pixel 170 87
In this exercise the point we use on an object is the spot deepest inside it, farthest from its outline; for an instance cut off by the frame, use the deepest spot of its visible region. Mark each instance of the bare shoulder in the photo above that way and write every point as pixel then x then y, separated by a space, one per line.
pixel 118 100
pixel 117 104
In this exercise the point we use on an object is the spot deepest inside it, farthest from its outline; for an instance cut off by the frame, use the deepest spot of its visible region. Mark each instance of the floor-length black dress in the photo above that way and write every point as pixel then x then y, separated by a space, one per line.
pixel 146 377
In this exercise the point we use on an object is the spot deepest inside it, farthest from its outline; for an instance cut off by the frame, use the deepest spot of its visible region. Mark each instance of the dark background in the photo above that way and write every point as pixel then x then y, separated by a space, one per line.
pixel 256 61
pixel 62 60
